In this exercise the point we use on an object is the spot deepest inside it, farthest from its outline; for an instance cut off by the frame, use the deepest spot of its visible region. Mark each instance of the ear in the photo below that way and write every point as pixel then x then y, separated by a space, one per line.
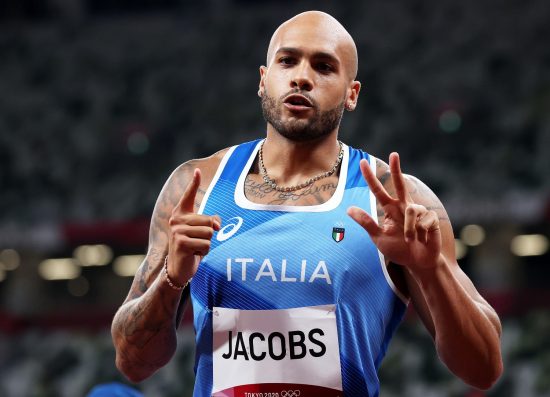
pixel 261 87
pixel 352 95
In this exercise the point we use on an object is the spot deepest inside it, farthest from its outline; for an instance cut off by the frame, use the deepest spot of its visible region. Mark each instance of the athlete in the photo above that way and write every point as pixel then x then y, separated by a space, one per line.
pixel 299 253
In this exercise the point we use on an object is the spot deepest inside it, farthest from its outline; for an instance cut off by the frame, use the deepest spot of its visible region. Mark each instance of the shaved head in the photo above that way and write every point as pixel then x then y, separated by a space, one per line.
pixel 309 77
pixel 324 25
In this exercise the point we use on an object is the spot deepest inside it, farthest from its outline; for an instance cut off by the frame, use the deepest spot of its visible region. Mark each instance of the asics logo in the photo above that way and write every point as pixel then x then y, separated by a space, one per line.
pixel 230 229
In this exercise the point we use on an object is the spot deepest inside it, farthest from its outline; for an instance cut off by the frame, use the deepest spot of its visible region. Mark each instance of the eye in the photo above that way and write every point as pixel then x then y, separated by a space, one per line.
pixel 286 61
pixel 324 67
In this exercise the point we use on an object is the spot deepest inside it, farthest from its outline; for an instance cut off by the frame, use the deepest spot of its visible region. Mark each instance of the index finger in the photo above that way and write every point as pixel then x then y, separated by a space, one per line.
pixel 398 179
pixel 374 184
pixel 187 201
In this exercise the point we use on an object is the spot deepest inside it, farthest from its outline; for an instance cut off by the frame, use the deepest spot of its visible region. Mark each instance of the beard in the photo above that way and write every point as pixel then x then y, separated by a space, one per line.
pixel 321 124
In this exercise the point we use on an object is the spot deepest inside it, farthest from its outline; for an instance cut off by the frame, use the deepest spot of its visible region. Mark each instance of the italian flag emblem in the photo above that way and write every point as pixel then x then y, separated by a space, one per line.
pixel 338 234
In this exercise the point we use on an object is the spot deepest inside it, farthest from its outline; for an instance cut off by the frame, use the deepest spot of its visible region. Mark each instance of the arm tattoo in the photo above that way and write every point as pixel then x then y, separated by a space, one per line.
pixel 416 189
pixel 147 325
pixel 142 277
pixel 146 274
pixel 440 211
pixel 144 327
pixel 385 177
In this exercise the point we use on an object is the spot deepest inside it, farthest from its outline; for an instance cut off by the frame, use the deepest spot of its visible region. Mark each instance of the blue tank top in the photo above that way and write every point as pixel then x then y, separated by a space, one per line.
pixel 272 257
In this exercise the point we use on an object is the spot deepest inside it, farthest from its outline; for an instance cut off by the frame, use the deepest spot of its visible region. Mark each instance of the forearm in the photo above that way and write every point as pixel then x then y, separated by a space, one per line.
pixel 144 331
pixel 467 330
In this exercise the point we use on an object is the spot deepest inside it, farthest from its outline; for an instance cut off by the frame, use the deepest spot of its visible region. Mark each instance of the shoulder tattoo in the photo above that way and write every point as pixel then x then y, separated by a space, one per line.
pixel 417 189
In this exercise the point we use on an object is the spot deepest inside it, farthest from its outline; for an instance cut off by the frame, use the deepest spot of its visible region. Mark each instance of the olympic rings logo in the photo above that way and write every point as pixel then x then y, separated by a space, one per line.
pixel 290 393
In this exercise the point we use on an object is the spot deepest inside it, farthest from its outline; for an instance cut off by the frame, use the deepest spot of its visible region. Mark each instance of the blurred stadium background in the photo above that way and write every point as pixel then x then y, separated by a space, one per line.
pixel 102 99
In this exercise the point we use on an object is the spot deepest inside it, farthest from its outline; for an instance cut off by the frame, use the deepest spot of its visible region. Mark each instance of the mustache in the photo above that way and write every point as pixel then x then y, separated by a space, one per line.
pixel 300 92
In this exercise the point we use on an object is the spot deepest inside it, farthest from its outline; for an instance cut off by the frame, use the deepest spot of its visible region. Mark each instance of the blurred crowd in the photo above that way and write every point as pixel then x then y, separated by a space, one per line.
pixel 97 111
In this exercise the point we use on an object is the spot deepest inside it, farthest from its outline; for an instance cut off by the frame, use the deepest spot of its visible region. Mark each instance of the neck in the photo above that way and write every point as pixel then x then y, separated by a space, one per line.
pixel 290 163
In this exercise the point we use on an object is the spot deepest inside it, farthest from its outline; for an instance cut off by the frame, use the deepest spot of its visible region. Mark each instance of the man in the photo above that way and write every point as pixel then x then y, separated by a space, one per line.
pixel 296 290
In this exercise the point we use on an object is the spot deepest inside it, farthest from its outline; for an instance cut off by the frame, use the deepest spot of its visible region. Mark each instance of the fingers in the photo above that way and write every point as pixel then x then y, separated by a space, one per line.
pixel 188 229
pixel 413 212
pixel 204 232
pixel 374 184
pixel 187 246
pixel 365 220
pixel 398 179
pixel 429 223
pixel 419 222
pixel 187 201
pixel 195 220
pixel 216 222
pixel 190 235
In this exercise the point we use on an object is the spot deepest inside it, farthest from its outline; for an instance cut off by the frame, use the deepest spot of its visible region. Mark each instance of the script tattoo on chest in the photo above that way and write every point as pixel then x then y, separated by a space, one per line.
pixel 263 193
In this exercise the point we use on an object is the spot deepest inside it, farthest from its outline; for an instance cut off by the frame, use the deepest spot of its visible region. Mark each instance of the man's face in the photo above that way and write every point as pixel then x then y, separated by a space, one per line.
pixel 305 85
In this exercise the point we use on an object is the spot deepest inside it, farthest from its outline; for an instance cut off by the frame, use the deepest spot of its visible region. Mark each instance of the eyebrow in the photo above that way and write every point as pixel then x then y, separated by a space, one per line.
pixel 316 54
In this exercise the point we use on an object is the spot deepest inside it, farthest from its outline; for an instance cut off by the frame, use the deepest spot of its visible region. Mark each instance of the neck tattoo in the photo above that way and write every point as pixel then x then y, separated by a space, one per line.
pixel 271 182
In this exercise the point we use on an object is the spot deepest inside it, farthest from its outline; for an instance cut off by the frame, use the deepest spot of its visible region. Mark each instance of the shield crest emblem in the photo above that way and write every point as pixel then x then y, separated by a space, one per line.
pixel 338 233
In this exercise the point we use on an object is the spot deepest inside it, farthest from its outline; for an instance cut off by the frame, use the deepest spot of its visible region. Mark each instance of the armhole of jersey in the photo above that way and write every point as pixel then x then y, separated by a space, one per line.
pixel 219 171
pixel 374 213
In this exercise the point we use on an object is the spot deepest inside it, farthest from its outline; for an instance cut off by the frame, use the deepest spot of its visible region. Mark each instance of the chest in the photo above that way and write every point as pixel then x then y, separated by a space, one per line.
pixel 319 192
pixel 276 259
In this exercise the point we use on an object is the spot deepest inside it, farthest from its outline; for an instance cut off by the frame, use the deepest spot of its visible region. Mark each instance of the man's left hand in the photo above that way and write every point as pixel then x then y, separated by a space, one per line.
pixel 409 234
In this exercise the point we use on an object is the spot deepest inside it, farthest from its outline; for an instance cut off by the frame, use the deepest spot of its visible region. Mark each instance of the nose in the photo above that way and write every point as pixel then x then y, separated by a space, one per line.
pixel 301 78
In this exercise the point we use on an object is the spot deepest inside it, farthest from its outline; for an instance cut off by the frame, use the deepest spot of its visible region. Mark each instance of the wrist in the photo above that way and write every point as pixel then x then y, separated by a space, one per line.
pixel 175 285
pixel 427 274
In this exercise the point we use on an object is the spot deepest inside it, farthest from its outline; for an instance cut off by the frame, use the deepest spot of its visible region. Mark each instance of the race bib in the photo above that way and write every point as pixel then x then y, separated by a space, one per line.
pixel 276 353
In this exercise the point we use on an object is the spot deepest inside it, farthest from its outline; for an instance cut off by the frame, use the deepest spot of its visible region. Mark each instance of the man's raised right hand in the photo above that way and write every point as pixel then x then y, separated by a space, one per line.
pixel 190 234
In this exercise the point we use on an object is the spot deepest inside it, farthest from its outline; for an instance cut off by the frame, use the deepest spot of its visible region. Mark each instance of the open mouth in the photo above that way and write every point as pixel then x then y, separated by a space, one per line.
pixel 298 101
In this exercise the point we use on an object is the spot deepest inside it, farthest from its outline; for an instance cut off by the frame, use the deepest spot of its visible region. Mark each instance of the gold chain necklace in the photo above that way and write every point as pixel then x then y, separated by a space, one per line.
pixel 271 182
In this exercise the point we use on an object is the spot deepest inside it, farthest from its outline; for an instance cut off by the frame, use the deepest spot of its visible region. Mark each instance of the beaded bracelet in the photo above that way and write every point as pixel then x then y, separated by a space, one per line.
pixel 168 280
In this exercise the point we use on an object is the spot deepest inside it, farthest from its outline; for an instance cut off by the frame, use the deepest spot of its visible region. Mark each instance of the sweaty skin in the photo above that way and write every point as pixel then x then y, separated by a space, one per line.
pixel 313 55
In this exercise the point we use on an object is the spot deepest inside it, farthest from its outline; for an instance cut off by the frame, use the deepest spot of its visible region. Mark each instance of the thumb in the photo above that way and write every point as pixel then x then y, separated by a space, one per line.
pixel 365 220
pixel 187 201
